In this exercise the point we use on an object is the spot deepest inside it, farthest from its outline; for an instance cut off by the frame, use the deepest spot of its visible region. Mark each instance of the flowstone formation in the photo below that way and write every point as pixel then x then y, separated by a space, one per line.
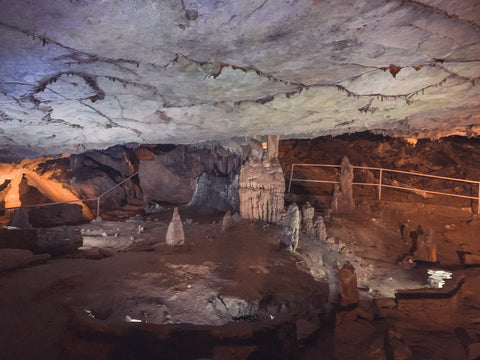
pixel 262 187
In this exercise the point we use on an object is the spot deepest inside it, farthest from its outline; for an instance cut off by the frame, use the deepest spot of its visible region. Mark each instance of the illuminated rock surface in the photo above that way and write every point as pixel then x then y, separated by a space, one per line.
pixel 77 75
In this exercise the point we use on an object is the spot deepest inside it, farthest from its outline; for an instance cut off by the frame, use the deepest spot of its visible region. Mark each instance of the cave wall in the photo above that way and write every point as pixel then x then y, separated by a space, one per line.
pixel 204 177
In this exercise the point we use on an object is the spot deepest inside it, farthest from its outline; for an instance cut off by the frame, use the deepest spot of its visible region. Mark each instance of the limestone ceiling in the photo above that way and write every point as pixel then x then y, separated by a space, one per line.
pixel 83 74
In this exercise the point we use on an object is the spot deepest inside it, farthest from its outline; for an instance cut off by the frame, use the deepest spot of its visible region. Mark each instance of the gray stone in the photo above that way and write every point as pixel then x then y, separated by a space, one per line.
pixel 19 219
pixel 56 215
pixel 175 235
pixel 320 229
pixel 59 240
pixel 308 212
pixel 291 228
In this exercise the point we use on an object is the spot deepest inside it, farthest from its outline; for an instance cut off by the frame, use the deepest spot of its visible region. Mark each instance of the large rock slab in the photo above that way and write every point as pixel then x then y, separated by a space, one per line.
pixel 14 238
pixel 55 215
pixel 16 258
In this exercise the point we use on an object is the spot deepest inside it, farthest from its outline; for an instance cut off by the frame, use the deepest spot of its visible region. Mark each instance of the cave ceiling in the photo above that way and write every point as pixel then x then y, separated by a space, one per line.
pixel 87 74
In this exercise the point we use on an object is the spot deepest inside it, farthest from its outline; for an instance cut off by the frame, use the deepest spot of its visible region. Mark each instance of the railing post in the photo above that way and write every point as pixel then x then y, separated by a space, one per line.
pixel 380 185
pixel 478 202
pixel 291 177
pixel 98 209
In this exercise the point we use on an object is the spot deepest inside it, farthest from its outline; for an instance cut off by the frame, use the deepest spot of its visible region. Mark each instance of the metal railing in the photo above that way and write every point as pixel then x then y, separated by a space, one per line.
pixel 381 185
pixel 97 199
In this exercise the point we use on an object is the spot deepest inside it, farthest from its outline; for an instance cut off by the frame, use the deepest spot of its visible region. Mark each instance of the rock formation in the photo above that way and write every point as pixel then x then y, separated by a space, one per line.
pixel 308 212
pixel 19 219
pixel 202 176
pixel 426 247
pixel 343 286
pixel 175 235
pixel 262 188
pixel 291 228
pixel 342 198
pixel 227 221
pixel 320 229
pixel 346 180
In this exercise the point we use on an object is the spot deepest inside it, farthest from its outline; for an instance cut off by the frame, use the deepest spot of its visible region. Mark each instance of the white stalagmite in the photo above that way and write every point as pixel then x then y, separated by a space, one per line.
pixel 175 235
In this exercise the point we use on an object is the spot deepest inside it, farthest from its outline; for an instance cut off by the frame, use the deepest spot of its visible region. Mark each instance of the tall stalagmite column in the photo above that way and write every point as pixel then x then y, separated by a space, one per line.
pixel 262 185
pixel 346 185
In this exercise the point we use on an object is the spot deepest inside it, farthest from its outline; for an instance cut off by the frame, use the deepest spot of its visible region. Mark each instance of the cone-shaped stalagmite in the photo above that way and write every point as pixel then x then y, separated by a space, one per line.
pixel 175 235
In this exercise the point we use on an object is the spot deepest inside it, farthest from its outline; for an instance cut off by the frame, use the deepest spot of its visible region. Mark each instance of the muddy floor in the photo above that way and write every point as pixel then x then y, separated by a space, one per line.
pixel 243 276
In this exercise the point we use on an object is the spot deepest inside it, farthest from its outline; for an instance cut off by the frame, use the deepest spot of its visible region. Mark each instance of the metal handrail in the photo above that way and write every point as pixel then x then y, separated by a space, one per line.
pixel 380 183
pixel 98 198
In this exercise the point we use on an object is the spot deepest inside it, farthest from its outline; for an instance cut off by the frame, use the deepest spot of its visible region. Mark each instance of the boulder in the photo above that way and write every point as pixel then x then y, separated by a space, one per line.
pixel 291 228
pixel 56 215
pixel 218 193
pixel 59 240
pixel 15 258
pixel 175 235
pixel 14 238
pixel 19 219
pixel 202 176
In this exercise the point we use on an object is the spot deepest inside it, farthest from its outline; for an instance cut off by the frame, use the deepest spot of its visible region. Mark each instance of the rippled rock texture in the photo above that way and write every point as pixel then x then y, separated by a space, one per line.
pixel 79 75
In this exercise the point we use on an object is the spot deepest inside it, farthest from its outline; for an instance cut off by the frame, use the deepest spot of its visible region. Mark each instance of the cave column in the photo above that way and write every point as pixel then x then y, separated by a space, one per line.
pixel 262 184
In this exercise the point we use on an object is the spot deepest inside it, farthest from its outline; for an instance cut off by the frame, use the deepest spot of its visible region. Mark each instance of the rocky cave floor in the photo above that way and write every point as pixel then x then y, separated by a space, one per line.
pixel 241 275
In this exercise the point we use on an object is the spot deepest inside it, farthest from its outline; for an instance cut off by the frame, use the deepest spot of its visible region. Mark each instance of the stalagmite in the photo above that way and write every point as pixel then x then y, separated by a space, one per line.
pixel 342 198
pixel 426 247
pixel 262 187
pixel 175 235
pixel 308 212
pixel 291 228
pixel 320 229
pixel 227 221
pixel 346 181
pixel 343 289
